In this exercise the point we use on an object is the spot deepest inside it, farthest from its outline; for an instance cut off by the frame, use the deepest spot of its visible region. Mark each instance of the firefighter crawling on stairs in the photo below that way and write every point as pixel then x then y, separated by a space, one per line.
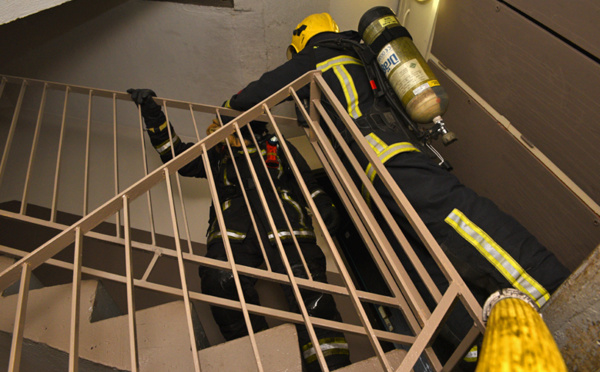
pixel 241 233
pixel 489 248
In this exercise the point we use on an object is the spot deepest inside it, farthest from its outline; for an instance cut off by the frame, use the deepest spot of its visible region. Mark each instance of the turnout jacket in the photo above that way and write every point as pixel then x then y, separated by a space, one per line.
pixel 231 199
pixel 488 247
pixel 345 74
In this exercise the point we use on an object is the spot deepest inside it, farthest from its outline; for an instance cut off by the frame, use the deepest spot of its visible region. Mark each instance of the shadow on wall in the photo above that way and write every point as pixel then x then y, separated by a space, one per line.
pixel 38 29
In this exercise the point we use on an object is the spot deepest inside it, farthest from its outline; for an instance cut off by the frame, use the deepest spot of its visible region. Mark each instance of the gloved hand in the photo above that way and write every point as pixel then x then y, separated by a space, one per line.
pixel 151 112
pixel 328 212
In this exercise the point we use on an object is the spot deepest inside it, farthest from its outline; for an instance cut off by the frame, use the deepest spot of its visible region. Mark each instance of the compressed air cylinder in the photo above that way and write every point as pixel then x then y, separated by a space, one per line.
pixel 411 78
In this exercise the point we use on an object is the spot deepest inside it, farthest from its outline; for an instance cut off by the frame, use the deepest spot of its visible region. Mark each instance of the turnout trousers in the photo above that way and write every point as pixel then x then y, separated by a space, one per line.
pixel 247 252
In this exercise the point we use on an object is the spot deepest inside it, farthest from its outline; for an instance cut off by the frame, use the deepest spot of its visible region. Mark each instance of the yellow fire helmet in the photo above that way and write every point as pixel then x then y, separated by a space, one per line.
pixel 309 27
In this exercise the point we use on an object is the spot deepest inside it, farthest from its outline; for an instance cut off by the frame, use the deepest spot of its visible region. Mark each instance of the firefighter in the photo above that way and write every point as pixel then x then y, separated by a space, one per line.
pixel 241 233
pixel 489 248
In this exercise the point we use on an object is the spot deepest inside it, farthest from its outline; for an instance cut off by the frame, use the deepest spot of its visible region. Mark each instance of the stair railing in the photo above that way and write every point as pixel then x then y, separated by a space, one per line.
pixel 423 322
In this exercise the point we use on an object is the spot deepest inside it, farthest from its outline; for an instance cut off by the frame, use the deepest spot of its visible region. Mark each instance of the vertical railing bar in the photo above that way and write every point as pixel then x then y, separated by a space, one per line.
pixel 338 260
pixel 183 209
pixel 133 348
pixel 184 288
pixel 415 300
pixel 362 230
pixel 145 162
pixel 116 162
pixel 155 258
pixel 34 144
pixel 385 272
pixel 279 202
pixel 75 302
pixel 194 122
pixel 19 327
pixel 2 85
pixel 11 131
pixel 58 156
pixel 414 323
pixel 230 257
pixel 246 200
pixel 441 259
pixel 360 226
pixel 284 259
pixel 87 155
pixel 394 190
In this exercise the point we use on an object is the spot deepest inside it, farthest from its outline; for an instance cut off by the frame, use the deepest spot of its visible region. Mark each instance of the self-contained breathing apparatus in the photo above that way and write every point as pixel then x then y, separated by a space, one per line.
pixel 405 89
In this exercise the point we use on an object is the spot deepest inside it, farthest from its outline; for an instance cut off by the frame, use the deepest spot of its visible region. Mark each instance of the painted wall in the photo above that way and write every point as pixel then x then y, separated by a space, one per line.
pixel 186 52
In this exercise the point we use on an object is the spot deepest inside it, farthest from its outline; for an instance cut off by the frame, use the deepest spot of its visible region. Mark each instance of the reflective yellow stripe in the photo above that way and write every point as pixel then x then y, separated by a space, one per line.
pixel 349 91
pixel 384 153
pixel 252 150
pixel 346 81
pixel 162 127
pixel 338 61
pixel 497 256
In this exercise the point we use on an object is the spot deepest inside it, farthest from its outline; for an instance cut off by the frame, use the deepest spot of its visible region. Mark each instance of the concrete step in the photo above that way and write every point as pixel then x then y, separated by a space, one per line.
pixel 394 357
pixel 278 349
pixel 38 357
pixel 163 341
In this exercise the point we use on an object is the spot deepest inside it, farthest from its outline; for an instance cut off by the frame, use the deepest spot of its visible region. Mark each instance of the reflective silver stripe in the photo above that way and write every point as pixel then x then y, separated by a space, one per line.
pixel 346 81
pixel 285 196
pixel 316 192
pixel 166 145
pixel 471 355
pixel 375 142
pixel 226 204
pixel 497 256
pixel 324 347
pixel 286 234
pixel 230 233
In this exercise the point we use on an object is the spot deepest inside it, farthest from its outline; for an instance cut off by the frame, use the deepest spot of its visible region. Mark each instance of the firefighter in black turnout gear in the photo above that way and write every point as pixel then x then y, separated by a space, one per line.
pixel 241 233
pixel 489 248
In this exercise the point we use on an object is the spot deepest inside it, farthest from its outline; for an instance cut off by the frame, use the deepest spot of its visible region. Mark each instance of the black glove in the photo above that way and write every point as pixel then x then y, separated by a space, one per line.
pixel 151 112
pixel 328 212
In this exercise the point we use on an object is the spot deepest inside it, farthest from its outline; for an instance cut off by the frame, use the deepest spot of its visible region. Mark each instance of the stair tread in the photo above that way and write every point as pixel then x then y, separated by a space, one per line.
pixel 278 349
pixel 163 341
pixel 394 358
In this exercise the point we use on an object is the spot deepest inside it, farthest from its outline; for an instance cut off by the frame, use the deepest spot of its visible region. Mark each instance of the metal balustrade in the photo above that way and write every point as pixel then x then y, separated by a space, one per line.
pixel 404 296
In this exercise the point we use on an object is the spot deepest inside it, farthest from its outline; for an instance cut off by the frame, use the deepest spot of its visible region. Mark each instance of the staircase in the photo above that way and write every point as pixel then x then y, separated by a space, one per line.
pixel 64 158
pixel 162 335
